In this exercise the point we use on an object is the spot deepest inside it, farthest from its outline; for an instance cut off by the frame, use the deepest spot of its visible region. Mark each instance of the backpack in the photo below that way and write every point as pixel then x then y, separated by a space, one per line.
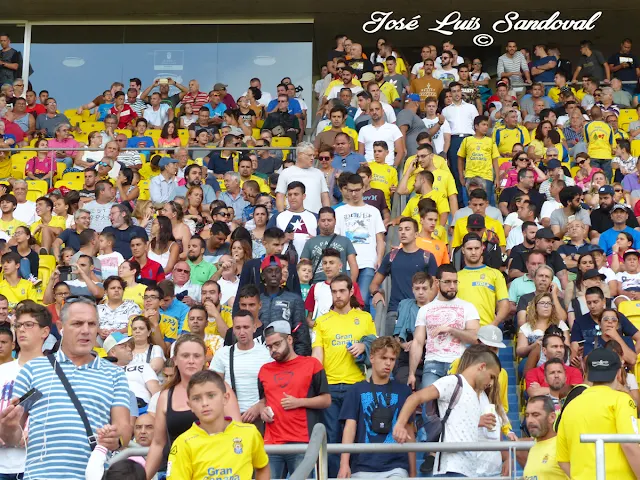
pixel 426 255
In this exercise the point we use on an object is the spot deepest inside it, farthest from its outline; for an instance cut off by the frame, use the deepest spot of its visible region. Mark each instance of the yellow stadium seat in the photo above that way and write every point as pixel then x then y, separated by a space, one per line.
pixel 61 167
pixel 281 142
pixel 81 137
pixel 259 123
pixel 37 188
pixel 22 156
pixel 45 270
pixel 635 147
pixel 70 184
pixel 70 112
pixel 125 131
pixel 75 119
pixel 143 185
pixel 19 162
pixel 88 127
pixel 87 116
pixel 627 115
pixel 72 176
pixel 197 161
pixel 17 170
pixel 154 134
pixel 574 171
pixel 255 133
pixel 143 158
pixel 183 133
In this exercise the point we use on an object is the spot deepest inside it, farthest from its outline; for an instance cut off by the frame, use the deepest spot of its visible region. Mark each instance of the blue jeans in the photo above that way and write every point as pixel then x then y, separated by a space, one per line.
pixel 489 187
pixel 332 423
pixel 604 165
pixel 11 476
pixel 364 280
pixel 68 161
pixel 25 272
pixel 281 465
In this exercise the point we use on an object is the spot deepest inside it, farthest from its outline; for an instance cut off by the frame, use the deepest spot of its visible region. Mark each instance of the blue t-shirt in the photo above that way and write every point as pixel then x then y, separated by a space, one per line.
pixel 177 310
pixel 215 112
pixel 358 405
pixel 350 163
pixel 219 165
pixel 103 110
pixel 146 141
pixel 585 329
pixel 294 106
pixel 608 239
pixel 548 75
pixel 402 269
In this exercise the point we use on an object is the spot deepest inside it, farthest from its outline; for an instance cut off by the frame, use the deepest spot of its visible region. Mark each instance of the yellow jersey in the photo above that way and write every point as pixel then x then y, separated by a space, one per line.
pixel 349 131
pixel 600 140
pixel 212 326
pixel 339 81
pixel 383 177
pixel 232 454
pixel 541 151
pixel 478 154
pixel 542 463
pixel 168 328
pixel 24 290
pixel 599 409
pixel 411 210
pixel 56 222
pixel 440 233
pixel 5 167
pixel 10 227
pixel 484 287
pixel 147 173
pixel 460 230
pixel 333 332
pixel 135 294
pixel 554 94
pixel 503 381
pixel 264 188
pixel 436 247
pixel 389 91
pixel 505 138
pixel 440 164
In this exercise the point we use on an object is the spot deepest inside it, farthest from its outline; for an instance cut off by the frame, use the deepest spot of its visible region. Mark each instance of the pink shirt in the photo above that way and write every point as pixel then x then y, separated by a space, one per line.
pixel 66 143
pixel 39 166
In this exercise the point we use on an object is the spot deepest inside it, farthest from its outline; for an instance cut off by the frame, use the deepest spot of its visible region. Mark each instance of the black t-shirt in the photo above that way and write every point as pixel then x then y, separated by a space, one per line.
pixel 601 220
pixel 510 193
pixel 625 74
pixel 34 260
pixel 554 260
pixel 524 300
pixel 375 198
pixel 336 54
pixel 360 66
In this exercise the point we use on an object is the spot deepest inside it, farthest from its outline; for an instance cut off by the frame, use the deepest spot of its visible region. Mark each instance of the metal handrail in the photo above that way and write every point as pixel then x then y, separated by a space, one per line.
pixel 600 440
pixel 315 453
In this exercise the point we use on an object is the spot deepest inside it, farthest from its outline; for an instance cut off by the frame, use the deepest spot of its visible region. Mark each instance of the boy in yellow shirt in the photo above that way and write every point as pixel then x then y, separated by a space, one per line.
pixel 384 177
pixel 216 446
pixel 424 184
pixel 8 223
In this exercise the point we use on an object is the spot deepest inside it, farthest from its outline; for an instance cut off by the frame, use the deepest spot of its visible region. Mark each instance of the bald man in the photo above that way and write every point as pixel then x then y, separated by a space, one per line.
pixel 143 430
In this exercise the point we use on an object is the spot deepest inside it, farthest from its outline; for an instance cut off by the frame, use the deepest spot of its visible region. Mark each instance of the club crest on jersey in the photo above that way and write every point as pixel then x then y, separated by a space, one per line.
pixel 237 445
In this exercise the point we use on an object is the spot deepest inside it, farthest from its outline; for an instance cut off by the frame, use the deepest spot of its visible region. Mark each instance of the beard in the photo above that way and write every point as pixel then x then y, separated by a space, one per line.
pixel 449 295
pixel 192 258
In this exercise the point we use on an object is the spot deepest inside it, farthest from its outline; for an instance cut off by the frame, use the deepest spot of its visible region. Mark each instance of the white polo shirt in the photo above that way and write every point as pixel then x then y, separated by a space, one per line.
pixel 157 117
pixel 387 132
pixel 460 118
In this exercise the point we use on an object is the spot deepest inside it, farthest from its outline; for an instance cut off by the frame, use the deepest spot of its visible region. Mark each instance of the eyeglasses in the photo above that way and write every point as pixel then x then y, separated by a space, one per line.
pixel 28 325
pixel 324 158
pixel 545 304
pixel 103 164
pixel 62 294
pixel 181 270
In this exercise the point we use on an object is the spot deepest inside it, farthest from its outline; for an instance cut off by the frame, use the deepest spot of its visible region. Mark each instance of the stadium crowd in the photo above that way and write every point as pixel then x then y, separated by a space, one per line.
pixel 429 256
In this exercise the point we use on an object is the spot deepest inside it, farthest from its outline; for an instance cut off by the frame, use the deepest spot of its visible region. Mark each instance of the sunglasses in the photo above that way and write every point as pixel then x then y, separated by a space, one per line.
pixel 581 162
pixel 182 270
pixel 378 71
pixel 617 190
pixel 324 158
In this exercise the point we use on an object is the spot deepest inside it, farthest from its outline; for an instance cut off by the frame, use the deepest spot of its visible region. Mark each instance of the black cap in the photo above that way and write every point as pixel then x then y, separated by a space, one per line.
pixel 546 233
pixel 475 221
pixel 593 273
pixel 603 365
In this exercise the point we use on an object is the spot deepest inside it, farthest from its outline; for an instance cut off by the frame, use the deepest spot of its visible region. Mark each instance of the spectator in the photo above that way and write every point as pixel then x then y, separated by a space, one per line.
pixel 381 130
pixel 143 430
pixel 384 177
pixel 8 223
pixel 189 293
pixel 555 172
pixel 46 123
pixel 592 63
pixel 619 216
pixel 525 185
pixel 437 126
pixel 100 208
pixel 601 217
pixel 162 188
pixel 571 200
pixel 13 286
pixel 299 224
pixel 71 237
pixel 115 312
pixel 145 352
pixel 233 196
pixel 426 85
pixel 512 65
pixel 540 417
pixel 122 229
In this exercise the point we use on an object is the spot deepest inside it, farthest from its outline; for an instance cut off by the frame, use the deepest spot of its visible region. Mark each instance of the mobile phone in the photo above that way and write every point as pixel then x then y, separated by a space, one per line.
pixel 28 400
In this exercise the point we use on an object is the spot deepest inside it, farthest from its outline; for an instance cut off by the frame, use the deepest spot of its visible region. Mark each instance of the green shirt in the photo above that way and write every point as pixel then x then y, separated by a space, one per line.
pixel 201 272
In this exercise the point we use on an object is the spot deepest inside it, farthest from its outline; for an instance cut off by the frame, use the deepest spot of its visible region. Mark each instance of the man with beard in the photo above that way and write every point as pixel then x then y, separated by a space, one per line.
pixel 541 461
pixel 193 177
pixel 570 198
pixel 294 389
pixel 601 217
pixel 544 242
pixel 426 86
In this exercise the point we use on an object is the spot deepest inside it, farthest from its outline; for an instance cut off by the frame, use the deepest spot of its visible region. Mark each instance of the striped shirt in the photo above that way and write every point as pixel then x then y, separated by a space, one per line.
pixel 515 64
pixel 197 100
pixel 58 447
pixel 138 106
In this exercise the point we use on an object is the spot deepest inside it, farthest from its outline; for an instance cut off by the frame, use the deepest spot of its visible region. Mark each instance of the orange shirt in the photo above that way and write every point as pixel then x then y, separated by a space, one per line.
pixel 436 247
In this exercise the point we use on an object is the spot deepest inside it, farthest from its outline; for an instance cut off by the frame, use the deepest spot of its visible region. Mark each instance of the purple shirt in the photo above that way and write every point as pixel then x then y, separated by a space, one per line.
pixel 630 182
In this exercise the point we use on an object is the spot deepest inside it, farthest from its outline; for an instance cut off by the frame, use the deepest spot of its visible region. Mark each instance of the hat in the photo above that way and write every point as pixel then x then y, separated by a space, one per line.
pixel 413 97
pixel 219 86
pixel 553 164
pixel 546 233
pixel 631 251
pixel 367 77
pixel 606 190
pixel 166 161
pixel 491 336
pixel 603 365
pixel 116 338
pixel 280 326
pixel 476 182
pixel 593 273
pixel 270 261
pixel 236 132
pixel 475 221
pixel 618 206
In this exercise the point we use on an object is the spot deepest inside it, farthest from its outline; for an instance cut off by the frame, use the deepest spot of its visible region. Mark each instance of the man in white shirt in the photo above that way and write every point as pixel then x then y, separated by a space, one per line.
pixel 445 72
pixel 298 224
pixel 157 114
pixel 26 209
pixel 186 292
pixel 100 208
pixel 437 126
pixel 447 46
pixel 317 192
pixel 553 204
pixel 347 77
pixel 248 358
pixel 379 130
pixel 460 116
pixel 376 96
pixel 363 225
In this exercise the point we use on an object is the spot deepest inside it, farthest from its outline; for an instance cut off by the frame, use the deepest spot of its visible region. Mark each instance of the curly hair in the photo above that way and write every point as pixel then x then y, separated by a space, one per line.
pixel 532 313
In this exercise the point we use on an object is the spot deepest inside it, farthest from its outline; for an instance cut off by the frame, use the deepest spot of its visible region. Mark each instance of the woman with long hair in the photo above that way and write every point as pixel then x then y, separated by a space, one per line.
pixel 43 165
pixel 247 114
pixel 231 117
pixel 538 147
pixel 173 211
pixel 584 176
pixel 22 242
pixel 173 416
pixel 163 247
pixel 541 314
pixel 143 350
pixel 142 215
pixel 63 209
pixel 129 271
pixel 260 219
pixel 253 95
pixel 126 191
pixel 241 252
pixel 115 312
pixel 194 210
pixel 169 136
pixel 610 329
pixel 187 117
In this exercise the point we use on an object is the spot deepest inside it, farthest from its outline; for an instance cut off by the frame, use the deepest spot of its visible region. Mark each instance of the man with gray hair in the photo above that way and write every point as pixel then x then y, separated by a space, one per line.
pixel 122 229
pixel 26 209
pixel 162 188
pixel 543 279
pixel 233 196
pixel 317 192
pixel 71 236
pixel 59 445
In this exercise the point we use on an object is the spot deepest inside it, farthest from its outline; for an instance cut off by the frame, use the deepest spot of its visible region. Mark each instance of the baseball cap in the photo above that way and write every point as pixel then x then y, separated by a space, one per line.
pixel 546 233
pixel 631 251
pixel 116 338
pixel 603 365
pixel 270 261
pixel 166 161
pixel 491 336
pixel 236 132
pixel 413 97
pixel 592 273
pixel 554 164
pixel 619 206
pixel 367 77
pixel 502 83
pixel 280 326
pixel 475 221
pixel 219 86
pixel 606 190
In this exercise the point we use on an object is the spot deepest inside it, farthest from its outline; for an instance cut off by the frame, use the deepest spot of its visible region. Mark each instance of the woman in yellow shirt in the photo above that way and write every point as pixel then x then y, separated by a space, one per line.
pixel 129 271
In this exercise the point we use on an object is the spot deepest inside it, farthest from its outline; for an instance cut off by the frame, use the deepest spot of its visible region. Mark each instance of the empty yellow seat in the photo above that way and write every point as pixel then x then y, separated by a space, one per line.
pixel 154 134
pixel 73 176
pixel 70 184
pixel 281 142
pixel 88 127
pixel 37 188
pixel 627 115
pixel 635 147
pixel 125 131
pixel 45 270
pixel 70 112
pixel 255 133
pixel 183 133
pixel 87 116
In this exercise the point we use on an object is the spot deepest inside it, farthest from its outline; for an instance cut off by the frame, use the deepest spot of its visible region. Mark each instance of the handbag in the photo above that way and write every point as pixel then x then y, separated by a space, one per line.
pixel 91 438
pixel 434 425
pixel 382 416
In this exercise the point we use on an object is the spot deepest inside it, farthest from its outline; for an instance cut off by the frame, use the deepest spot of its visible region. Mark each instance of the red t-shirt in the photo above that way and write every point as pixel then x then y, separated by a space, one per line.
pixel 574 377
pixel 196 100
pixel 302 377
pixel 37 109
pixel 152 270
pixel 126 115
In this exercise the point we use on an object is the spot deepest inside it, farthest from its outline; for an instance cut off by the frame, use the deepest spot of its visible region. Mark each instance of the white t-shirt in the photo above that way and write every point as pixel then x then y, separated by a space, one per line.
pixel 360 225
pixel 26 212
pixel 335 92
pixel 438 139
pixel 99 215
pixel 313 180
pixel 628 280
pixel 387 132
pixel 246 365
pixel 141 358
pixel 228 289
pixel 11 459
pixel 110 263
pixel 304 225
pixel 138 375
pixel 452 313
pixel 322 298
pixel 609 274
pixel 548 207
pixel 462 426
pixel 159 117
pixel 489 463
pixel 389 113
pixel 446 76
